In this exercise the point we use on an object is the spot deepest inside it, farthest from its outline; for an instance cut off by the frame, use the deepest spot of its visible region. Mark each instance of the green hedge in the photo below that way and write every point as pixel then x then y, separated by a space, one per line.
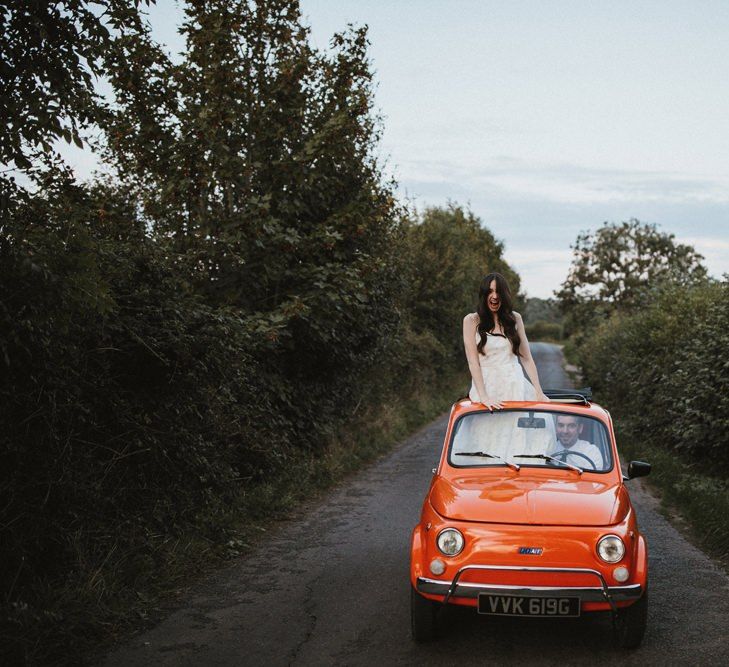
pixel 142 426
pixel 664 374
pixel 664 369
pixel 240 313
pixel 546 331
pixel 685 487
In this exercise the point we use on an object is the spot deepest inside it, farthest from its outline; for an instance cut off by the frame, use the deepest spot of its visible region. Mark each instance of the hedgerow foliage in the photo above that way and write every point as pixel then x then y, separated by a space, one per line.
pixel 649 330
pixel 131 410
pixel 544 331
pixel 450 249
pixel 663 371
pixel 181 334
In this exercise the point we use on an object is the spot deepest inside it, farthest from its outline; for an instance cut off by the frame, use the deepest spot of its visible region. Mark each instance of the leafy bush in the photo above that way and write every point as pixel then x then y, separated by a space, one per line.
pixel 685 487
pixel 450 251
pixel 135 413
pixel 176 339
pixel 125 399
pixel 547 310
pixel 663 372
pixel 546 331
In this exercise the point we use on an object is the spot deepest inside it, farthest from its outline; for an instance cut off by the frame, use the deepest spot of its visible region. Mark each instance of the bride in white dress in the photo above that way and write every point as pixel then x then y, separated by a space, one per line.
pixel 495 341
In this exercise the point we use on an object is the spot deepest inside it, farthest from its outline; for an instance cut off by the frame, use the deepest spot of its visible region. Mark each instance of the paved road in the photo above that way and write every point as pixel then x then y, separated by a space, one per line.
pixel 332 588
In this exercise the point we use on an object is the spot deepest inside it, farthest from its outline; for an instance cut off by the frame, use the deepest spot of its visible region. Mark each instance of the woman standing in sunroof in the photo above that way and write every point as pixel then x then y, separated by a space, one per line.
pixel 495 343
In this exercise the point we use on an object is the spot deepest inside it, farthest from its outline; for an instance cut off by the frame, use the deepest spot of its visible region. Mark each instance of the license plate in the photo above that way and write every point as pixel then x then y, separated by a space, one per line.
pixel 519 605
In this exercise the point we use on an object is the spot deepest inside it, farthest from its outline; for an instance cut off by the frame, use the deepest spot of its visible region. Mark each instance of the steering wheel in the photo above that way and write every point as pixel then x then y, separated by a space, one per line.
pixel 567 452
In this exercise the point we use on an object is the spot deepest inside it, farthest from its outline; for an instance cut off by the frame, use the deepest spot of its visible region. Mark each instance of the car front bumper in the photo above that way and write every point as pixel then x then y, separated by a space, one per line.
pixel 601 593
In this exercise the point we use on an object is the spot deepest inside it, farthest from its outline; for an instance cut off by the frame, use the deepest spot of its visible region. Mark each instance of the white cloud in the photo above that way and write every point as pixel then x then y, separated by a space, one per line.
pixel 715 252
pixel 541 270
pixel 568 183
pixel 707 243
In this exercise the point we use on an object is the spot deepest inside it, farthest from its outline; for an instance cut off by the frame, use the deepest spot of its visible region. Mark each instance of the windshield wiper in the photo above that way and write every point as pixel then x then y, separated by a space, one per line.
pixel 547 457
pixel 516 466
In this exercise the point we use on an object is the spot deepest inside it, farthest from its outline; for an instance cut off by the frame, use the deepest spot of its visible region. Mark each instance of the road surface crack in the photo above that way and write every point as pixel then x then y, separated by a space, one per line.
pixel 308 612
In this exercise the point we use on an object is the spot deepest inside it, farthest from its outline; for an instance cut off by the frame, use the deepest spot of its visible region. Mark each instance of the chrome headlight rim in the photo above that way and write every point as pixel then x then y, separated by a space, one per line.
pixel 611 536
pixel 460 537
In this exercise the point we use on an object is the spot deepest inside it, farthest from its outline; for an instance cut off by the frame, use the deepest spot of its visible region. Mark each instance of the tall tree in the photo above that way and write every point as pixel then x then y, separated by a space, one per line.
pixel 617 266
pixel 50 55
pixel 451 251
pixel 255 154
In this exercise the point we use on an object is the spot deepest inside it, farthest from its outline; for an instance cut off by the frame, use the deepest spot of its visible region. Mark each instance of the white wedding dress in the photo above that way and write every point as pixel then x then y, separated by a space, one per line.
pixel 499 433
pixel 501 371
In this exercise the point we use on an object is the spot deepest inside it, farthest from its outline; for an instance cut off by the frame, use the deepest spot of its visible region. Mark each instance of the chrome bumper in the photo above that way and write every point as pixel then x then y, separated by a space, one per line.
pixel 601 593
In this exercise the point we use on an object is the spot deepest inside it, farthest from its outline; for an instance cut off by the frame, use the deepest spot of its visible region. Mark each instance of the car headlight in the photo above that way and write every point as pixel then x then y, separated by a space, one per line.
pixel 450 541
pixel 611 549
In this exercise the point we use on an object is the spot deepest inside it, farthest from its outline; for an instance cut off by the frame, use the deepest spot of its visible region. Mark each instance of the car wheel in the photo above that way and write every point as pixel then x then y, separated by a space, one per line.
pixel 631 622
pixel 423 617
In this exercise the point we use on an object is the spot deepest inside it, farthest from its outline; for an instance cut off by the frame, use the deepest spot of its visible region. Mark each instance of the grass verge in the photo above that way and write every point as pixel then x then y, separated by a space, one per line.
pixel 84 616
pixel 687 490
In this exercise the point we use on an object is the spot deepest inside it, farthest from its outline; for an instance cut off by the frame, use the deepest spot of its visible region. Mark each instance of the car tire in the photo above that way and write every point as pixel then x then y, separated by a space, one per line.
pixel 631 622
pixel 423 617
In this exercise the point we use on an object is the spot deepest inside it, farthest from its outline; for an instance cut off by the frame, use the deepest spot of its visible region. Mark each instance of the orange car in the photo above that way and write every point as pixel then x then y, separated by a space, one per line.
pixel 528 514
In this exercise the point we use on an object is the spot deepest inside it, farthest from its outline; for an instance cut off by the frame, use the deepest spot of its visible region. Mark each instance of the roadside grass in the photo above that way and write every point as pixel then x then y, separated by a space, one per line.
pixel 686 490
pixel 77 628
pixel 570 351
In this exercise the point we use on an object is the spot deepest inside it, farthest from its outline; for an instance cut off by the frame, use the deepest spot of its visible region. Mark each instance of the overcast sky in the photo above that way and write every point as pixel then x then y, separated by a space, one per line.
pixel 547 118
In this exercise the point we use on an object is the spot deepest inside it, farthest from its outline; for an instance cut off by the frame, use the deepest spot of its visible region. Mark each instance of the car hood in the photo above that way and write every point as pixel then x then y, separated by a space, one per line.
pixel 530 500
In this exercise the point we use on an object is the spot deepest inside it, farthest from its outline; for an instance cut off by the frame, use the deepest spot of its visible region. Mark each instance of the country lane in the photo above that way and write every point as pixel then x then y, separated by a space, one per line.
pixel 331 587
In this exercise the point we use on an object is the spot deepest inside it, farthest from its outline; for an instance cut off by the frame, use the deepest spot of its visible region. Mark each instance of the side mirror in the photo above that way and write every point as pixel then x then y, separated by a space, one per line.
pixel 638 469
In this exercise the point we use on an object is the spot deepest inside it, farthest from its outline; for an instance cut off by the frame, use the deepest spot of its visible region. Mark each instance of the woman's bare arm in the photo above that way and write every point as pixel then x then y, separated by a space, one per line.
pixel 470 326
pixel 527 360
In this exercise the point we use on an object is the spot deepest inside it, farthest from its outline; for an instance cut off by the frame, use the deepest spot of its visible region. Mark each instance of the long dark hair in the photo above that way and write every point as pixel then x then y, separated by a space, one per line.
pixel 506 312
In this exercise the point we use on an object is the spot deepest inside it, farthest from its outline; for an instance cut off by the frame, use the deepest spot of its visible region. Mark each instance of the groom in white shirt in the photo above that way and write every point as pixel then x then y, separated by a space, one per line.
pixel 569 430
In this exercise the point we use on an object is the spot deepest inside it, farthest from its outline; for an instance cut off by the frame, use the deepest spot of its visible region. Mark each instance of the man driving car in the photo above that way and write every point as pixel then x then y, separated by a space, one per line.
pixel 569 430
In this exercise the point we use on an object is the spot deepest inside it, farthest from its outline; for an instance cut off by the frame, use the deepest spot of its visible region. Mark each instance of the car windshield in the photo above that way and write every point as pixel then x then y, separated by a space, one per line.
pixel 529 438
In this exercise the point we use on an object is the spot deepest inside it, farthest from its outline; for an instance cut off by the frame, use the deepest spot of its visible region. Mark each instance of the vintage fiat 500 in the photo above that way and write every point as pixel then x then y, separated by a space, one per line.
pixel 528 514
